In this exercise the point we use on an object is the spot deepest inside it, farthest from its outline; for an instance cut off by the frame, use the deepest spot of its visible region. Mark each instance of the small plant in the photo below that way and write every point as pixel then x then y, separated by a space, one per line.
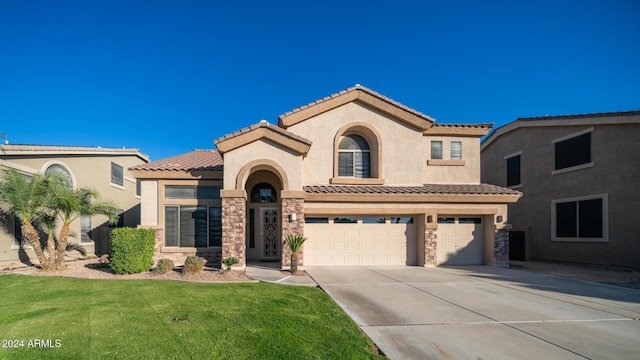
pixel 193 265
pixel 295 242
pixel 77 247
pixel 163 266
pixel 228 262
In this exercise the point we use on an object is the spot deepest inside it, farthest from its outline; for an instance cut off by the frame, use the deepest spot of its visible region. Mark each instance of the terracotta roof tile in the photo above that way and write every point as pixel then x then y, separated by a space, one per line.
pixel 263 124
pixel 432 189
pixel 464 125
pixel 197 160
pixel 362 88
pixel 578 116
pixel 19 149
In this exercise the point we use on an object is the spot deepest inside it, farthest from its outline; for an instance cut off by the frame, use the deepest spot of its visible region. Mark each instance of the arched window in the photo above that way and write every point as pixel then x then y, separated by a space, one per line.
pixel 57 169
pixel 354 157
pixel 263 193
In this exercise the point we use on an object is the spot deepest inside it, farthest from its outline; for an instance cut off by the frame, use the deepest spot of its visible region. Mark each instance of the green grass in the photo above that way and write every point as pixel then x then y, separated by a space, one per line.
pixel 155 319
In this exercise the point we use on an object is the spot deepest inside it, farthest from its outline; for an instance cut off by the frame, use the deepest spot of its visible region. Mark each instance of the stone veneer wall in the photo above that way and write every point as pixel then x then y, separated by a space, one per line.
pixel 501 248
pixel 292 206
pixel 430 247
pixel 234 221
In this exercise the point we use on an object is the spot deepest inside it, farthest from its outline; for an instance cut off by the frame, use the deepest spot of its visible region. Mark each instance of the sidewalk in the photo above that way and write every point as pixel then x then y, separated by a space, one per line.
pixel 270 273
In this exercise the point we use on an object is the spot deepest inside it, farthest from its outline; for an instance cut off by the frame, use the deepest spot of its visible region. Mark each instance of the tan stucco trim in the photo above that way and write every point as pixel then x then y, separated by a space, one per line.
pixel 360 96
pixel 346 209
pixel 262 164
pixel 437 162
pixel 289 194
pixel 263 133
pixel 172 174
pixel 373 137
pixel 233 193
pixel 412 198
pixel 457 131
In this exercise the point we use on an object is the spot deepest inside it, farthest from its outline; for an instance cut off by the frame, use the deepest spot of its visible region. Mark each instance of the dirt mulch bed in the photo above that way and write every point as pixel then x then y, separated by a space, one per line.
pixel 93 269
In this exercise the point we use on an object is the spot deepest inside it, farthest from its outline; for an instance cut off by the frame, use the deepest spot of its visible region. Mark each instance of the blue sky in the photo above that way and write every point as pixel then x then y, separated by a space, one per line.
pixel 168 77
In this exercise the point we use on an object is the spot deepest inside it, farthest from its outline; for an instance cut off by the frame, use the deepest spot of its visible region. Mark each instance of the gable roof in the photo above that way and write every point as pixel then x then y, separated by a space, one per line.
pixel 361 94
pixel 604 118
pixel 459 129
pixel 262 130
pixel 25 149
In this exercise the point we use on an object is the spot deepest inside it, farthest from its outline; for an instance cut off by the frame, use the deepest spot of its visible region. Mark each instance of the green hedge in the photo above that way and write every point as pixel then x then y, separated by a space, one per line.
pixel 132 250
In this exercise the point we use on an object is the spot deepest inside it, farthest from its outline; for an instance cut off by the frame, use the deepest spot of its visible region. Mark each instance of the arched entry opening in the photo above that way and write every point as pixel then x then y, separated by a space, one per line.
pixel 264 229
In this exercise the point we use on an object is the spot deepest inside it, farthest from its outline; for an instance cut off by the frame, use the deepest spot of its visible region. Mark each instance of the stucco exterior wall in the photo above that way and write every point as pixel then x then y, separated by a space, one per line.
pixel 466 171
pixel 615 171
pixel 260 150
pixel 399 142
pixel 87 171
pixel 149 203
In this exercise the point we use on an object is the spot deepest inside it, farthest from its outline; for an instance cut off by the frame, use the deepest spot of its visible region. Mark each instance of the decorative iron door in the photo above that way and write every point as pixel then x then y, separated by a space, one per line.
pixel 270 233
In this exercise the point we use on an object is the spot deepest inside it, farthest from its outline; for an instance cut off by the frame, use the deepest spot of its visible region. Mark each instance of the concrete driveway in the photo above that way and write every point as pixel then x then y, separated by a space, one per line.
pixel 483 312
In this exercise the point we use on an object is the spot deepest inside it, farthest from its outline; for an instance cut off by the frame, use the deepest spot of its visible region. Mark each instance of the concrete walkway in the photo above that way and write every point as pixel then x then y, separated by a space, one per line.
pixel 269 272
pixel 485 312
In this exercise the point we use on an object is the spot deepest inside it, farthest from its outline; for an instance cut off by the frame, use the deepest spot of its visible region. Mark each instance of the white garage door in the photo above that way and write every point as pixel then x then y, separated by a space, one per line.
pixel 369 241
pixel 460 241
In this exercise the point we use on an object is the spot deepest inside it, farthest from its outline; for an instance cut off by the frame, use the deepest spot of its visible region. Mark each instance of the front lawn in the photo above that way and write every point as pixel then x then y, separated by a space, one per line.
pixel 66 318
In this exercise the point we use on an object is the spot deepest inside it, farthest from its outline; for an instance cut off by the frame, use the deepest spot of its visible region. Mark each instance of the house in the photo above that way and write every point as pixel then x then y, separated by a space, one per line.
pixel 578 175
pixel 367 180
pixel 102 169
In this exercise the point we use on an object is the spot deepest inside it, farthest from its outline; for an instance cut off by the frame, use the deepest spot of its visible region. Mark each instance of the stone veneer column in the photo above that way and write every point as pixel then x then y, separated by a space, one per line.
pixel 296 227
pixel 234 221
pixel 501 248
pixel 430 246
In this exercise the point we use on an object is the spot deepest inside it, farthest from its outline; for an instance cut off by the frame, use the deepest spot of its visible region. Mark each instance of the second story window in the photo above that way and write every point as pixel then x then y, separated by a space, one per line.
pixel 354 157
pixel 456 150
pixel 117 174
pixel 513 171
pixel 574 151
pixel 436 150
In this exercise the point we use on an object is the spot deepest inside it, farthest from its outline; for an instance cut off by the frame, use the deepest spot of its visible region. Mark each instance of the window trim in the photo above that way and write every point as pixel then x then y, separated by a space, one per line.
pixel 116 185
pixel 179 208
pixel 47 165
pixel 569 137
pixel 374 139
pixel 605 218
pixel 431 150
pixel 451 150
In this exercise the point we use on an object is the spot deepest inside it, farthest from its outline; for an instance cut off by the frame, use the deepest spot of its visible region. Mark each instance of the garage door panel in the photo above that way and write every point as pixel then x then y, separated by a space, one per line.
pixel 460 244
pixel 360 244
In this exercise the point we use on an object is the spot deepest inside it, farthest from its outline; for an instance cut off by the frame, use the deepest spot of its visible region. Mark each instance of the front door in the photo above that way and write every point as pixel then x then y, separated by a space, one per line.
pixel 263 237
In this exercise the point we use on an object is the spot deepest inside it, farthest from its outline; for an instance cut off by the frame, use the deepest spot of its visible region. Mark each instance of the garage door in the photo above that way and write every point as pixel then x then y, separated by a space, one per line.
pixel 348 241
pixel 460 241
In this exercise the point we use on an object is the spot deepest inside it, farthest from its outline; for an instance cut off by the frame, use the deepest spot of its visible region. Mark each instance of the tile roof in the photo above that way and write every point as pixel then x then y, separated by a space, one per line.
pixel 484 126
pixel 21 149
pixel 365 89
pixel 262 124
pixel 579 116
pixel 197 160
pixel 431 189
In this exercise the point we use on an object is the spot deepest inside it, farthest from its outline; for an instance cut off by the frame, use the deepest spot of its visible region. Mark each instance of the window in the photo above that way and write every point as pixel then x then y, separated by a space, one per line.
pixel 117 175
pixel 580 219
pixel 138 187
pixel 192 192
pixel 373 220
pixel 456 150
pixel 436 150
pixel 345 220
pixel 264 193
pixel 60 170
pixel 470 220
pixel 574 151
pixel 85 229
pixel 354 157
pixel 446 220
pixel 316 220
pixel 402 220
pixel 193 226
pixel 17 230
pixel 513 171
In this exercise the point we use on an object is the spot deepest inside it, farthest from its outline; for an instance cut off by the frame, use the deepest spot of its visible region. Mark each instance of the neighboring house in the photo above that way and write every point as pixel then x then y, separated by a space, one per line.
pixel 369 181
pixel 102 169
pixel 579 178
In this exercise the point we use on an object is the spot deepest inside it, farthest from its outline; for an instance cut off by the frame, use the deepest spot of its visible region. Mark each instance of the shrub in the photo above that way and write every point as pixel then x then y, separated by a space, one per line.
pixel 193 265
pixel 228 262
pixel 164 266
pixel 132 250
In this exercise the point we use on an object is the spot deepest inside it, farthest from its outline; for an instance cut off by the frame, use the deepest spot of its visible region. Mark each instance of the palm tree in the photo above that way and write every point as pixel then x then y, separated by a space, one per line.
pixel 26 198
pixel 295 242
pixel 70 205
